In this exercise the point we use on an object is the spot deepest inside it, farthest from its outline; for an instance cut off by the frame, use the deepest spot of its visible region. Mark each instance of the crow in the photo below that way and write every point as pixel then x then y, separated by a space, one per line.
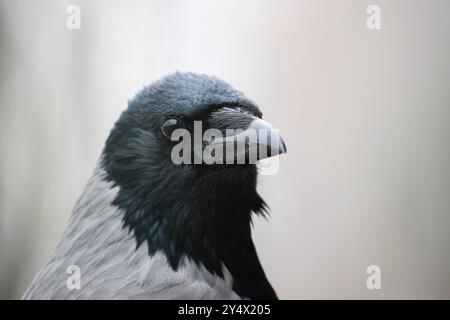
pixel 147 227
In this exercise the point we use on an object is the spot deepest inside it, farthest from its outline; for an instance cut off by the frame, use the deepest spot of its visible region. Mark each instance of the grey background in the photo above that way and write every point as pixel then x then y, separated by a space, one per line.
pixel 365 115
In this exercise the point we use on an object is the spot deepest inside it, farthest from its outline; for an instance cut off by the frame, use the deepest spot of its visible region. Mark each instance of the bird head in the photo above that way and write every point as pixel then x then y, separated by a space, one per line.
pixel 182 190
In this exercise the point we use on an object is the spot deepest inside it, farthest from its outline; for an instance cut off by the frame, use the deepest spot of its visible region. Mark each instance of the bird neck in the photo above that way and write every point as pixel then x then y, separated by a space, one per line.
pixel 206 217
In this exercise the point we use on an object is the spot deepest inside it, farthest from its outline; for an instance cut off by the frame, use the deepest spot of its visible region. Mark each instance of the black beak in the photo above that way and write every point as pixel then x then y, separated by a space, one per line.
pixel 251 138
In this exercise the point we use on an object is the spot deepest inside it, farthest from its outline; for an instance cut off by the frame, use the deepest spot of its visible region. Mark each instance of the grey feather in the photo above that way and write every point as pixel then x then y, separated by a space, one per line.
pixel 111 266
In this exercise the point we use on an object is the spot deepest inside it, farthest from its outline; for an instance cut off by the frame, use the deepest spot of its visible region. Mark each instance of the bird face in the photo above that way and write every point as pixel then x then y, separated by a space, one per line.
pixel 226 135
pixel 189 123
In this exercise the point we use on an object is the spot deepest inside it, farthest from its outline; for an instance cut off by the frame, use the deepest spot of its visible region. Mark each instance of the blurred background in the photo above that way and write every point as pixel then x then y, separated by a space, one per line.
pixel 365 115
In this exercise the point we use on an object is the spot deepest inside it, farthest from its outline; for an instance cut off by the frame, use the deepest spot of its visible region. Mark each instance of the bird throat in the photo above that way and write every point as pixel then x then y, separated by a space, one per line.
pixel 206 218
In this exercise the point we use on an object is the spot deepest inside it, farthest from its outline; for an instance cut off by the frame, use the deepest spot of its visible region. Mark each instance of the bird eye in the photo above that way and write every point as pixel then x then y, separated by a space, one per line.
pixel 170 125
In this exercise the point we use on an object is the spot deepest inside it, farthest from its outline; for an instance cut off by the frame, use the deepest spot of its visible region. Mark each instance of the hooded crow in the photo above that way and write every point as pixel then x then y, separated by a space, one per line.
pixel 150 227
